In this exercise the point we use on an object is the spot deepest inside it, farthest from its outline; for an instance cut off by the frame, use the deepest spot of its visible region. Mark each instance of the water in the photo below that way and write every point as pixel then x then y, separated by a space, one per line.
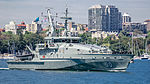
pixel 137 73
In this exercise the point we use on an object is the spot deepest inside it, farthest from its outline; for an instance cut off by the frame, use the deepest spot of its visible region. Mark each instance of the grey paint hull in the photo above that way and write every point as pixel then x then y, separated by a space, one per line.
pixel 71 64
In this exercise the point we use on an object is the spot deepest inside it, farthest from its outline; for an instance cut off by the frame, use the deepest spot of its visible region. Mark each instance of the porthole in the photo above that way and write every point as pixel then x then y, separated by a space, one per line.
pixel 70 45
pixel 78 49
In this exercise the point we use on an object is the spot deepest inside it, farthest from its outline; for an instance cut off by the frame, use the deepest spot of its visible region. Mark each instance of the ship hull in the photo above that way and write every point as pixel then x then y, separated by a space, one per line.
pixel 71 64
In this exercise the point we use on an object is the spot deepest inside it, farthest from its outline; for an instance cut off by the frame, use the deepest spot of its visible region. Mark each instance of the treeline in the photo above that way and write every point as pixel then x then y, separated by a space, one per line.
pixel 10 42
pixel 121 43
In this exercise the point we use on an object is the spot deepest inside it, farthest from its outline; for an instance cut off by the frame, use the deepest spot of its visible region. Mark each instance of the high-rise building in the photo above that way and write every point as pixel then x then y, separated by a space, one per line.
pixel 34 27
pixel 11 27
pixel 104 18
pixel 126 18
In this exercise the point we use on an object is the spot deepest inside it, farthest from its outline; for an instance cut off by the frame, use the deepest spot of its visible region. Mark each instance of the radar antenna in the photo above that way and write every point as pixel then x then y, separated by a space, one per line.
pixel 66 18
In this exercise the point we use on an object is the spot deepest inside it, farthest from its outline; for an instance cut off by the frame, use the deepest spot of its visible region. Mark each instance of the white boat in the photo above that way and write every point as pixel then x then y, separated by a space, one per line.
pixel 145 56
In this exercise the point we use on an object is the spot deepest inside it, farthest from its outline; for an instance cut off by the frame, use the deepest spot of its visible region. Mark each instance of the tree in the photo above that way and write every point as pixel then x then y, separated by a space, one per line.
pixel 33 39
pixel 86 37
pixel 8 40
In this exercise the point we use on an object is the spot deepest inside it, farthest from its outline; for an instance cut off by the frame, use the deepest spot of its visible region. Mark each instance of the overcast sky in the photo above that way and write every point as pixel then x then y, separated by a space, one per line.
pixel 28 10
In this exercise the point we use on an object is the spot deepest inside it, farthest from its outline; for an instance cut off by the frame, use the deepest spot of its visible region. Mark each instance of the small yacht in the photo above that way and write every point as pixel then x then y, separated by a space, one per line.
pixel 145 56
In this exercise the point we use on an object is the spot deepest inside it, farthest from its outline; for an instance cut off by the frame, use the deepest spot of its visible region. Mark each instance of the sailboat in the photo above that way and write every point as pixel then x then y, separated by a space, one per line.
pixel 145 55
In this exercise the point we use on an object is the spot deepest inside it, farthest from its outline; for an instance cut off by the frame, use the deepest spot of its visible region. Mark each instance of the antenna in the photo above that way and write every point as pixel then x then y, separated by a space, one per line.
pixel 66 3
pixel 66 18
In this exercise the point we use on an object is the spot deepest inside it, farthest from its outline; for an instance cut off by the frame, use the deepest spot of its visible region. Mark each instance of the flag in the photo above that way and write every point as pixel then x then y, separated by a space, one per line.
pixel 45 19
pixel 37 19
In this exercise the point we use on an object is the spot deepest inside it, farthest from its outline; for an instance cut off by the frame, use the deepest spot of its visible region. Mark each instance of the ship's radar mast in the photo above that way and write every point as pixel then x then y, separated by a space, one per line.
pixel 66 18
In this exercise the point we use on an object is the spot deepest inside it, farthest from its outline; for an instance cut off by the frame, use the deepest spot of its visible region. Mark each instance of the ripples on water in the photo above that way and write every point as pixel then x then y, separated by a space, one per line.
pixel 137 73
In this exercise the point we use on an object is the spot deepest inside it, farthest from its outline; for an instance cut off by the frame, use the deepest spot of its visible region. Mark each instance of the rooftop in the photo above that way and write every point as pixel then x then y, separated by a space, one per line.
pixel 96 6
pixel 102 6
pixel 126 14
pixel 147 20
pixel 1 30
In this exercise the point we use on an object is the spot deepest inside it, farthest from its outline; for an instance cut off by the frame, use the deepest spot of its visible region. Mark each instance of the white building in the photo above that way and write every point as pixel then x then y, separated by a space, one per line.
pixel 11 27
pixel 126 18
pixel 102 34
pixel 34 27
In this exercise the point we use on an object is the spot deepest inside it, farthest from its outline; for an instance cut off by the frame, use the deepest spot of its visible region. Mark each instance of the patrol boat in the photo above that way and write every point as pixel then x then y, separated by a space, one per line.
pixel 68 53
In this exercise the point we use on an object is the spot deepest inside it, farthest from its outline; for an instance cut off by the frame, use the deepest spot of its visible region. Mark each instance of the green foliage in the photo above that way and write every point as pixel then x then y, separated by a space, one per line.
pixel 118 44
pixel 58 31
pixel 86 38
pixel 107 39
pixel 32 39
pixel 8 40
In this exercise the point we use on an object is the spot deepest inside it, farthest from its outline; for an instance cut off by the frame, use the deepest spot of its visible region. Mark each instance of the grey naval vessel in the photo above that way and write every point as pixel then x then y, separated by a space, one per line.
pixel 68 53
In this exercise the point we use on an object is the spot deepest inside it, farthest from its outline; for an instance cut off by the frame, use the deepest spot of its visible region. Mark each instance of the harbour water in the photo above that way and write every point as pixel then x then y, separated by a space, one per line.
pixel 137 73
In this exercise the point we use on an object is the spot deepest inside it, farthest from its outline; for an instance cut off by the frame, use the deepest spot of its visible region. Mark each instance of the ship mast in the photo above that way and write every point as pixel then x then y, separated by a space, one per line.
pixel 51 25
pixel 66 18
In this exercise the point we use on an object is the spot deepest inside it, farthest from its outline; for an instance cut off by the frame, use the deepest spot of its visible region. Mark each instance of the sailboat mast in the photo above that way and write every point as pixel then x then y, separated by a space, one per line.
pixel 132 44
pixel 146 46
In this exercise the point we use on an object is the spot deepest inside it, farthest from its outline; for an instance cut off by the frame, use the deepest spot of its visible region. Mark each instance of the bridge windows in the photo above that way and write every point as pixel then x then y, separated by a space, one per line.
pixel 66 40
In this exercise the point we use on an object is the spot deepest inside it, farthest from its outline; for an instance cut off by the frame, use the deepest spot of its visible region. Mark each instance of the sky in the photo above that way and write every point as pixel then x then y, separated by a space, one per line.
pixel 28 10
